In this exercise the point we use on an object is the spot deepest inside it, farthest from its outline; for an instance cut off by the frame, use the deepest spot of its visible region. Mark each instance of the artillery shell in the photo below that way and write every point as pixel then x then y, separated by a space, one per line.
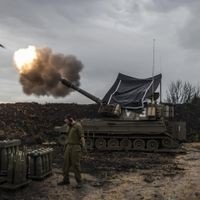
pixel 4 160
pixel 39 167
pixel 10 169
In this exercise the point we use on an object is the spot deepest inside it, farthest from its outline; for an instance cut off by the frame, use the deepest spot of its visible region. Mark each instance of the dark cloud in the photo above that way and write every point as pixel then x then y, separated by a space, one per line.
pixel 108 36
pixel 170 5
pixel 188 33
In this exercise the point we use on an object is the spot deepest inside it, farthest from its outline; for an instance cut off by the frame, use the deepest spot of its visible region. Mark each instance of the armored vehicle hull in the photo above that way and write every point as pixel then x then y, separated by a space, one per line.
pixel 145 135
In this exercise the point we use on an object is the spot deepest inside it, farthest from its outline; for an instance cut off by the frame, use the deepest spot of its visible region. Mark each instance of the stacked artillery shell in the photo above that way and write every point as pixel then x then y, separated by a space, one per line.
pixel 7 148
pixel 17 171
pixel 17 168
pixel 40 163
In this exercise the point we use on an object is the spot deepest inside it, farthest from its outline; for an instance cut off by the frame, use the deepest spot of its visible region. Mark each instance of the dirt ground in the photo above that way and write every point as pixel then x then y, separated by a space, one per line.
pixel 132 175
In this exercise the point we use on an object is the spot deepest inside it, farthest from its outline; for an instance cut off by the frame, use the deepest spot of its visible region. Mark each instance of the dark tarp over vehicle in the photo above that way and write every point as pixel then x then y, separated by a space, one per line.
pixel 131 92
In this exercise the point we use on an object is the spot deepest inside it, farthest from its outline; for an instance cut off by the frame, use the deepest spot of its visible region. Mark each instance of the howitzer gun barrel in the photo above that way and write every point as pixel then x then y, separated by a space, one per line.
pixel 83 92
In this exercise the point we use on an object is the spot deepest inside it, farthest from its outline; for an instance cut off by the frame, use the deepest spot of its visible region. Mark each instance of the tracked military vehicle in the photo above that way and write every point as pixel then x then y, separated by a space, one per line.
pixel 130 117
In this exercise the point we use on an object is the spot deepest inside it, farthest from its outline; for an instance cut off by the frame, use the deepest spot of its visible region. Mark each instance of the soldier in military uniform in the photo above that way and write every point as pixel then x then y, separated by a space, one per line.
pixel 72 155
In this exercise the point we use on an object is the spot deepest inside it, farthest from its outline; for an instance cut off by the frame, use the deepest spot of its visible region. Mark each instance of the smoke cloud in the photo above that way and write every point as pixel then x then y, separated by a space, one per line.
pixel 42 76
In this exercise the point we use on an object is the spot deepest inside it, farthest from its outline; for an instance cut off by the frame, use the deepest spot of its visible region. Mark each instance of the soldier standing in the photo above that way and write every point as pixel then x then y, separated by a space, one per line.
pixel 72 155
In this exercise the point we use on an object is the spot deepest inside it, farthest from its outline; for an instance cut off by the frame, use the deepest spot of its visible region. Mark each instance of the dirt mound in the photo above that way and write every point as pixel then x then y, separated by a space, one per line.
pixel 37 120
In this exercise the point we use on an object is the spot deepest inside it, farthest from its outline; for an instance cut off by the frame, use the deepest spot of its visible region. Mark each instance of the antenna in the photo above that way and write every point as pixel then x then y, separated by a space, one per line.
pixel 160 81
pixel 153 69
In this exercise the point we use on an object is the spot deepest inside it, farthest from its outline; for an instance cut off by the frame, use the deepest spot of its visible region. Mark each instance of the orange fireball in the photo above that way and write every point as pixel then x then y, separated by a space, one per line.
pixel 24 58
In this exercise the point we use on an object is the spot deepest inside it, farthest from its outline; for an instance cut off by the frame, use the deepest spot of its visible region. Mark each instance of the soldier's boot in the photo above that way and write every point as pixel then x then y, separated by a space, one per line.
pixel 79 185
pixel 64 182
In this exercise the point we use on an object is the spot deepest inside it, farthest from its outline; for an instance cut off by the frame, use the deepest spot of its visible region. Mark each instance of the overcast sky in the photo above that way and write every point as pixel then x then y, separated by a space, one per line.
pixel 108 36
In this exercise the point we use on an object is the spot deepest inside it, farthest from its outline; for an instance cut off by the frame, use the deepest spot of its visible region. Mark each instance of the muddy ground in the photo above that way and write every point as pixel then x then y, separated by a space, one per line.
pixel 132 175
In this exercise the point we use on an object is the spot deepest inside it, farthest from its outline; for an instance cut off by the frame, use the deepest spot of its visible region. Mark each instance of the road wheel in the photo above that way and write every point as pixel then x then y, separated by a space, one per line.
pixel 125 144
pixel 152 145
pixel 170 143
pixel 113 144
pixel 100 144
pixel 139 144
pixel 89 143
pixel 167 143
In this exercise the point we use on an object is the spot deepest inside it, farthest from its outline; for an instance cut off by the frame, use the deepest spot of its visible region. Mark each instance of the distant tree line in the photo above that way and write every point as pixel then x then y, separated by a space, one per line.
pixel 186 98
pixel 180 92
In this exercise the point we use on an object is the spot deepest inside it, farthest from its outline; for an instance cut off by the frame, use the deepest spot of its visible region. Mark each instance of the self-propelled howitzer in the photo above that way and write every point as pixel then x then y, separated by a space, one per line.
pixel 129 122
